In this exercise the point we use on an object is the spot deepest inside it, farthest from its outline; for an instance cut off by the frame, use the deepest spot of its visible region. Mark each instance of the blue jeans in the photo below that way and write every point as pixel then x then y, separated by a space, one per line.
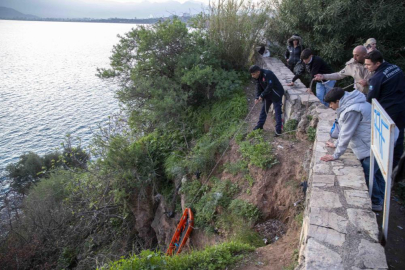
pixel 377 196
pixel 265 109
pixel 322 89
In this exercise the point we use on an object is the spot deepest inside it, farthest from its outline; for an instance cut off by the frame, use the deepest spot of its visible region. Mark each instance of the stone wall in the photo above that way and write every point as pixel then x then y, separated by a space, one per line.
pixel 339 229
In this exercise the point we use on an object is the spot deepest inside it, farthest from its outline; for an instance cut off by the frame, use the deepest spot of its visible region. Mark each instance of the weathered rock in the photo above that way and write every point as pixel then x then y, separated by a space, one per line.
pixel 327 219
pixel 320 257
pixel 323 180
pixel 326 235
pixel 370 255
pixel 364 220
pixel 358 198
pixel 324 199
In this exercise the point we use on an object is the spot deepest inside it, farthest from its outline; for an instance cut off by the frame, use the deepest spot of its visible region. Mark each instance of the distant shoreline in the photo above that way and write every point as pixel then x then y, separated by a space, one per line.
pixel 111 20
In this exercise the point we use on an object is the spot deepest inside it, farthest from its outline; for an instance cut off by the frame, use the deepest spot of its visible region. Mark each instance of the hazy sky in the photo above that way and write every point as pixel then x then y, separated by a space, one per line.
pixel 104 8
pixel 156 1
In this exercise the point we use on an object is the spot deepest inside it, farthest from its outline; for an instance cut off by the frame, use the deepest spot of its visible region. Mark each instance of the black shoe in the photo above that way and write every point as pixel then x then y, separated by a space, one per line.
pixel 258 127
pixel 277 133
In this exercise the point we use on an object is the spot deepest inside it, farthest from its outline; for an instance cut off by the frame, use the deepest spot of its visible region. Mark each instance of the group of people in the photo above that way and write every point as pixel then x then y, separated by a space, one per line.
pixel 374 78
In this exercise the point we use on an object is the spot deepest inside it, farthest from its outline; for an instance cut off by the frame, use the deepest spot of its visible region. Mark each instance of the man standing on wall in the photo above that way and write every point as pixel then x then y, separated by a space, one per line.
pixel 387 85
pixel 315 65
pixel 354 118
pixel 354 68
pixel 268 90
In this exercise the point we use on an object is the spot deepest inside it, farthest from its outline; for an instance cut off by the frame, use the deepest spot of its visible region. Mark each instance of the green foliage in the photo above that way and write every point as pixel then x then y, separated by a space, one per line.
pixel 333 28
pixel 311 132
pixel 205 207
pixel 240 166
pixel 291 125
pixel 256 151
pixel 163 71
pixel 211 258
pixel 245 210
pixel 234 28
pixel 25 172
pixel 31 167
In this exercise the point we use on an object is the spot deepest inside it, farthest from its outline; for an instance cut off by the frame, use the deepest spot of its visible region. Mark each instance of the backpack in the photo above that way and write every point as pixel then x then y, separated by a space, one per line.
pixel 334 131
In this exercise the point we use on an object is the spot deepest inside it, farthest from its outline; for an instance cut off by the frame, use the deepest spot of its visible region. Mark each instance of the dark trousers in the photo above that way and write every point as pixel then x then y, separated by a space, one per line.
pixel 377 196
pixel 265 110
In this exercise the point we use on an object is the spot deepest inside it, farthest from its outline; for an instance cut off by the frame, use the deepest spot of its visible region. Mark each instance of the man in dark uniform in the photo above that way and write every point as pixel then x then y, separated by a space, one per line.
pixel 268 90
pixel 387 85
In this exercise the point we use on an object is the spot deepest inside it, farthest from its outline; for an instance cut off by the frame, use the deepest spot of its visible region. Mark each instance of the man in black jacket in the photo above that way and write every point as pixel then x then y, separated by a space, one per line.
pixel 269 90
pixel 315 65
pixel 387 85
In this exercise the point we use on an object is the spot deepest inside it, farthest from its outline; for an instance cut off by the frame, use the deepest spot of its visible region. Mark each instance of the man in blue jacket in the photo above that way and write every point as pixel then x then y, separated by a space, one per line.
pixel 268 90
pixel 387 85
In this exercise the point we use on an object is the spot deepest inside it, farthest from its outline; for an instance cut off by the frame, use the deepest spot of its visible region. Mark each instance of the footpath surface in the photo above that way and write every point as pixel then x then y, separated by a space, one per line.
pixel 339 229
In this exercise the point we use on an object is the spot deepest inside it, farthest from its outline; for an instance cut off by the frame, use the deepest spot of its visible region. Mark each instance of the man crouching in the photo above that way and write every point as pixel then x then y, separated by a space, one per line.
pixel 354 120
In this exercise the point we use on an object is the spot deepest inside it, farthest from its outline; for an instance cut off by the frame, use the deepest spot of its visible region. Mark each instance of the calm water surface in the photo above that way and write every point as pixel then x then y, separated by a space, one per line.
pixel 48 86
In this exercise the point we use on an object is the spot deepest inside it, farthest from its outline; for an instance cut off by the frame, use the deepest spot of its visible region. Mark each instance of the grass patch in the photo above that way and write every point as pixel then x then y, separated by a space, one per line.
pixel 311 131
pixel 237 167
pixel 290 126
pixel 256 151
pixel 212 258
pixel 219 194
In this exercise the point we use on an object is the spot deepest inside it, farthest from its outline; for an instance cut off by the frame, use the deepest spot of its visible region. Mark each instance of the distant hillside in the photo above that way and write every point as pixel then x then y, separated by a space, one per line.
pixel 9 13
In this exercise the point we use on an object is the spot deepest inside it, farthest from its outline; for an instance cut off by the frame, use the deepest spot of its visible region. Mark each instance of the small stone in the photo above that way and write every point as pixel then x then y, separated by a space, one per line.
pixel 326 235
pixel 324 199
pixel 323 180
pixel 365 221
pixel 370 255
pixel 322 169
pixel 319 256
pixel 358 198
pixel 325 218
pixel 352 181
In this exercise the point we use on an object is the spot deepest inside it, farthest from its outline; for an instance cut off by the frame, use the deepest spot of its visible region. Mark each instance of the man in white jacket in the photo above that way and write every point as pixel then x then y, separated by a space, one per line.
pixel 354 120
pixel 354 68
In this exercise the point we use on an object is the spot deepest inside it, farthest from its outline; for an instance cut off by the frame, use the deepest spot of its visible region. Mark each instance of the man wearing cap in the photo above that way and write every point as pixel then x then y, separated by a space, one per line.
pixel 270 91
pixel 354 68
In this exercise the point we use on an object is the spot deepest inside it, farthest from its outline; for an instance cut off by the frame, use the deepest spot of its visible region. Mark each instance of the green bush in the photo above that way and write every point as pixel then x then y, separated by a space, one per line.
pixel 256 151
pixel 205 207
pixel 234 28
pixel 245 210
pixel 211 258
pixel 290 126
pixel 333 28
pixel 311 132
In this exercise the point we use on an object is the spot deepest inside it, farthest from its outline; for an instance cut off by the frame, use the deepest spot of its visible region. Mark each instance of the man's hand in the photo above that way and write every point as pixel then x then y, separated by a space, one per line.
pixel 290 84
pixel 288 60
pixel 327 158
pixel 318 77
pixel 309 91
pixel 257 100
pixel 363 82
pixel 330 144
